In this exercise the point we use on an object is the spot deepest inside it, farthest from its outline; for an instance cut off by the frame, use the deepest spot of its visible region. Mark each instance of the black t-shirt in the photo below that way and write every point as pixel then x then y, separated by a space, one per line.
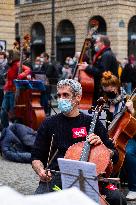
pixel 66 131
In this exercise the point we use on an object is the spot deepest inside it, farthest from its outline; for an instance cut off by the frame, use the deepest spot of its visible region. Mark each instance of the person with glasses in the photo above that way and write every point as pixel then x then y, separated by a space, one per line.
pixel 103 60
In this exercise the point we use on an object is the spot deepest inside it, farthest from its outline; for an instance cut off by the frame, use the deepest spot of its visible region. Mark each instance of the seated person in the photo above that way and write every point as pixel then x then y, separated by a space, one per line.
pixel 116 100
pixel 61 126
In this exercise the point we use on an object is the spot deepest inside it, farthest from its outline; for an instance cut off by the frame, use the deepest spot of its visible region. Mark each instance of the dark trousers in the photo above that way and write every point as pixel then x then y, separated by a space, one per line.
pixel 46 99
pixel 7 105
pixel 48 187
pixel 1 96
pixel 130 164
pixel 114 197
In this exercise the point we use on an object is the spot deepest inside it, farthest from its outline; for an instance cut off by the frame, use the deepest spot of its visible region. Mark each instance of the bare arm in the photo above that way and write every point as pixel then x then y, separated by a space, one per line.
pixel 38 167
pixel 130 107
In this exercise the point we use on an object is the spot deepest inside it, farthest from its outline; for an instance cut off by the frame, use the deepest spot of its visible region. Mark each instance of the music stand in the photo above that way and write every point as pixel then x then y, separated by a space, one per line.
pixel 79 174
pixel 30 84
pixel 37 85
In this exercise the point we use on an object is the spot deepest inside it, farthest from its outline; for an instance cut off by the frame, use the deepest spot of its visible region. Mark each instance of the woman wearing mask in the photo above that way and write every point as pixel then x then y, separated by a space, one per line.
pixel 116 100
pixel 9 87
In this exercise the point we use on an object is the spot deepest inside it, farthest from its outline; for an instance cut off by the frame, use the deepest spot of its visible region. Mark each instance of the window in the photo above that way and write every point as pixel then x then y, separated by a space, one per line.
pixel 35 1
pixel 17 2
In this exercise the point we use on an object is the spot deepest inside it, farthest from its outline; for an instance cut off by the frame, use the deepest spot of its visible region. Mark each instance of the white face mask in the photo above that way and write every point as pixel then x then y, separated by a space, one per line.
pixel 71 62
pixel 42 60
pixel 37 66
pixel 1 61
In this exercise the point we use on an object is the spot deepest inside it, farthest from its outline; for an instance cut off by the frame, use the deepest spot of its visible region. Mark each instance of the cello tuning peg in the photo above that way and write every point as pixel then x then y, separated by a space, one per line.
pixel 101 100
pixel 92 109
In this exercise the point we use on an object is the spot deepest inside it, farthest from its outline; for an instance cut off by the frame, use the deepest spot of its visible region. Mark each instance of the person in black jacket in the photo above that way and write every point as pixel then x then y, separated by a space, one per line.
pixel 103 60
pixel 51 73
pixel 49 69
pixel 68 127
pixel 128 77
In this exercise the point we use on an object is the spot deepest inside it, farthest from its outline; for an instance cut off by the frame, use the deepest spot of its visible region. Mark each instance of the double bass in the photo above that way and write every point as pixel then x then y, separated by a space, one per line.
pixel 121 129
pixel 87 81
pixel 28 109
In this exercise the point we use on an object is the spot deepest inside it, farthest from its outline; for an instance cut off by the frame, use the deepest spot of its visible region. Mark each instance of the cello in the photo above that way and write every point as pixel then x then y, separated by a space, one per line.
pixel 121 129
pixel 87 81
pixel 99 154
pixel 83 151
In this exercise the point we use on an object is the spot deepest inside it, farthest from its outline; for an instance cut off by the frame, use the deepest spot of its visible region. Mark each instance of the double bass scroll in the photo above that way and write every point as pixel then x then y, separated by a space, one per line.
pixel 87 81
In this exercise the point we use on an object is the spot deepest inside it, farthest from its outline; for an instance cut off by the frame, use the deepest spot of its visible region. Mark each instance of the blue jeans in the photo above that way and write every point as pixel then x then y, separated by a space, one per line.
pixel 131 164
pixel 128 88
pixel 7 105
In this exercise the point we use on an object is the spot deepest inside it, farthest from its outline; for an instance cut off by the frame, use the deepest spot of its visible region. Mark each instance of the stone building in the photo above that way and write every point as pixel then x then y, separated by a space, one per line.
pixel 7 23
pixel 68 25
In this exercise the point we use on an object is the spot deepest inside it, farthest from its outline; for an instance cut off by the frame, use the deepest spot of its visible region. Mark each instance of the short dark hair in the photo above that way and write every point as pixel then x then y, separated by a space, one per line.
pixel 105 39
pixel 3 54
pixel 46 55
pixel 13 55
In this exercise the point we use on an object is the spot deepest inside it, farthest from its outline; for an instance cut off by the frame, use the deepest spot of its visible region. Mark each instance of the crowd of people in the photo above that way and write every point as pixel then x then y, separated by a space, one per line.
pixel 110 82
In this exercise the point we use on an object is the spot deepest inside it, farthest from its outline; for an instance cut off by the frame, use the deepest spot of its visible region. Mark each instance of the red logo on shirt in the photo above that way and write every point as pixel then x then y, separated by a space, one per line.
pixel 111 187
pixel 79 132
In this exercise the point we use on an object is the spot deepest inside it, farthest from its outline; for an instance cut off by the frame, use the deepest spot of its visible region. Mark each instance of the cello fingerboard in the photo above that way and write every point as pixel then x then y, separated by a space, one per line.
pixel 87 146
pixel 85 151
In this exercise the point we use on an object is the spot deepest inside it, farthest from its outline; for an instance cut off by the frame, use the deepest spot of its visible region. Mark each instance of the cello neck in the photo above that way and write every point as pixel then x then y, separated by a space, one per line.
pixel 119 115
pixel 87 146
pixel 88 41
pixel 80 60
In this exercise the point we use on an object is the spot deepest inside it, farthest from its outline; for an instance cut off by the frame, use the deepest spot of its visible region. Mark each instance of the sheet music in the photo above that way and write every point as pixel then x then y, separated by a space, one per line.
pixel 30 84
pixel 70 171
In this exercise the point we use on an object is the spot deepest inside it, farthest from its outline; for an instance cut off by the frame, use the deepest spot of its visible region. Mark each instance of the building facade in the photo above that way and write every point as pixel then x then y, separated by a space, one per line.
pixel 7 24
pixel 63 28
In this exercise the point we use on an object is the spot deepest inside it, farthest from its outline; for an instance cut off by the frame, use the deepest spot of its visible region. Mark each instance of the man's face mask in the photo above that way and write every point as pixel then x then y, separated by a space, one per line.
pixel 37 65
pixel 96 48
pixel 1 61
pixel 111 94
pixel 65 105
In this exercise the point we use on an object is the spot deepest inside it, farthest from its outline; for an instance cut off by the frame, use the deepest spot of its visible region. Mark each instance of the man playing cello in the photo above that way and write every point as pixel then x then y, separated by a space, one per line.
pixel 61 126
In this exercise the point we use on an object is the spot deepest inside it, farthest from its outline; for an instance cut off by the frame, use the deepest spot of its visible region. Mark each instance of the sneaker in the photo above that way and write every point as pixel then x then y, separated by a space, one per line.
pixel 131 195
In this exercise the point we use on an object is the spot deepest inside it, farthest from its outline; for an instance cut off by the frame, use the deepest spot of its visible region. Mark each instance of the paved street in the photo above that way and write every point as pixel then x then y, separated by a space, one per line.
pixel 21 177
